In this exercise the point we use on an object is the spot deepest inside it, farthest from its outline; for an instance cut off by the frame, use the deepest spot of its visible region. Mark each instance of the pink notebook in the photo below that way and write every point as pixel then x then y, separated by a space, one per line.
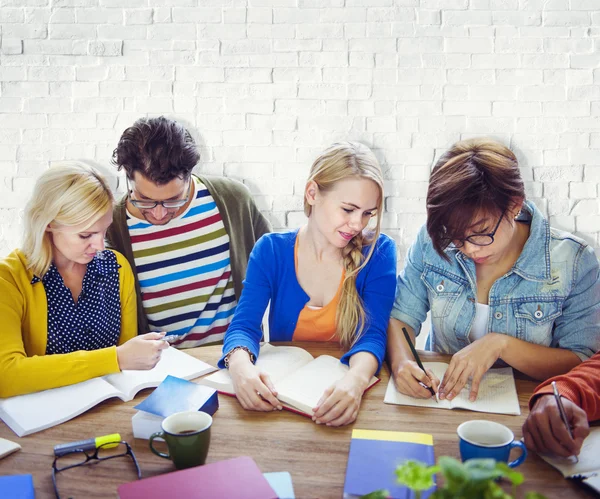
pixel 238 477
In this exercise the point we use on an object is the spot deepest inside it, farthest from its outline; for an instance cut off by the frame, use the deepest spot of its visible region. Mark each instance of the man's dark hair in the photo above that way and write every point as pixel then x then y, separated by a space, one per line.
pixel 158 148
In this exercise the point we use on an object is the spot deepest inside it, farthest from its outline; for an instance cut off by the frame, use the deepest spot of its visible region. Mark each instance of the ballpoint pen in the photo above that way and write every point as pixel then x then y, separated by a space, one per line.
pixel 418 360
pixel 563 414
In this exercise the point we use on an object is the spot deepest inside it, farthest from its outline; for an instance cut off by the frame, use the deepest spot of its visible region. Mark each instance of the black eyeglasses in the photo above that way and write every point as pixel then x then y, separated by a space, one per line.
pixel 80 457
pixel 478 239
pixel 148 204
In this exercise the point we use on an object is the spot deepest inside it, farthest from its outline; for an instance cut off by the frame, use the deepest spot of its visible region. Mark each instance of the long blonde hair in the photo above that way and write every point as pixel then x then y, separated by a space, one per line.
pixel 68 194
pixel 340 161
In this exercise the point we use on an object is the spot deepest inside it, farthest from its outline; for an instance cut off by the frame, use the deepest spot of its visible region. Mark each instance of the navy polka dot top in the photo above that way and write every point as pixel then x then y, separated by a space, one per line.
pixel 93 322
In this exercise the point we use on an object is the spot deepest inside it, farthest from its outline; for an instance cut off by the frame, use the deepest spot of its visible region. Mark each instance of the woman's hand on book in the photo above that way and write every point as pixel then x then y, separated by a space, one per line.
pixel 411 380
pixel 473 362
pixel 142 352
pixel 545 432
pixel 339 404
pixel 253 388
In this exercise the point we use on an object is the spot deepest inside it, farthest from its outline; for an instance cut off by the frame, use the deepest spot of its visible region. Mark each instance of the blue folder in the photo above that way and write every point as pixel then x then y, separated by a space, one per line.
pixel 16 487
pixel 374 456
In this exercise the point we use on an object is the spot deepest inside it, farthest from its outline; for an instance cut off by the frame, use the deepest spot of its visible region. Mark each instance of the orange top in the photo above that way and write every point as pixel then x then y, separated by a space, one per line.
pixel 317 324
pixel 581 385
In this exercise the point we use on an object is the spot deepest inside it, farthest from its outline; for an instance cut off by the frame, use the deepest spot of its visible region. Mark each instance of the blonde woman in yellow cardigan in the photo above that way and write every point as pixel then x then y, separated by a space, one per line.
pixel 68 305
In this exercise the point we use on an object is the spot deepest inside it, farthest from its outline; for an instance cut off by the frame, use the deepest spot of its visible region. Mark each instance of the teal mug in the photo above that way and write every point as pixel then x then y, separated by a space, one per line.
pixel 188 438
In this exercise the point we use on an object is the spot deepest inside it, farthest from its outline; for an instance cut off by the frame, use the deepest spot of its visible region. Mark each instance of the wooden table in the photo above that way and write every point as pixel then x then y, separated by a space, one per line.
pixel 315 455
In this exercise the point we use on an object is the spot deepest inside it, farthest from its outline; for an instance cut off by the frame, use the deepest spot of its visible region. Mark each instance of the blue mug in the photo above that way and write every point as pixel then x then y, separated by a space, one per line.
pixel 488 440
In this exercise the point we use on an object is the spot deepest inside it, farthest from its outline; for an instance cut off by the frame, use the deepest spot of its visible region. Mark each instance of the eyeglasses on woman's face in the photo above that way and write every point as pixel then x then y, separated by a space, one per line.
pixel 478 239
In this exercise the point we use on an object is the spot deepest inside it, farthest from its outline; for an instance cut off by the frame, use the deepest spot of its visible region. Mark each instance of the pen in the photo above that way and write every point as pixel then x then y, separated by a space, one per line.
pixel 89 444
pixel 561 409
pixel 417 359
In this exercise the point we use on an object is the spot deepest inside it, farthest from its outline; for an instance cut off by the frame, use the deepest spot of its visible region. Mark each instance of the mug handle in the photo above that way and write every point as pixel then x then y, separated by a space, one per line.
pixel 521 458
pixel 159 434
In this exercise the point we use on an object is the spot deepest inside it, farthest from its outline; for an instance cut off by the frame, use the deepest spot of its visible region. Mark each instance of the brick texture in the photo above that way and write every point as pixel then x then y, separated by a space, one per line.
pixel 266 84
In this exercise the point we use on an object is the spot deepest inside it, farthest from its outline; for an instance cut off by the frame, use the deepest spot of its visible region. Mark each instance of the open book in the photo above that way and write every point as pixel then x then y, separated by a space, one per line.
pixel 497 393
pixel 589 459
pixel 299 378
pixel 26 414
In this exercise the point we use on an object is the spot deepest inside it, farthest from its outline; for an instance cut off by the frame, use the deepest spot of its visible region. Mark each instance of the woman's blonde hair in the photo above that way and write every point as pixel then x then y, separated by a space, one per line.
pixel 68 194
pixel 340 161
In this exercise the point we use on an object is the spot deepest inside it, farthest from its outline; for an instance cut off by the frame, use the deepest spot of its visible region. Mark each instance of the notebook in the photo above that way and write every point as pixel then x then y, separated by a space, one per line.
pixel 374 456
pixel 497 393
pixel 16 487
pixel 299 378
pixel 26 414
pixel 589 459
pixel 237 478
pixel 171 396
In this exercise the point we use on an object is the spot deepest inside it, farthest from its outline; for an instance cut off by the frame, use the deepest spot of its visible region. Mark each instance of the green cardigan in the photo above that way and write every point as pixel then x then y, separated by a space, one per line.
pixel 243 222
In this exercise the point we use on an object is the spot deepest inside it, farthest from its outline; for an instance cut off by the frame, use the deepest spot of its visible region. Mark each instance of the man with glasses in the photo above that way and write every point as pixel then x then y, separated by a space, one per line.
pixel 188 237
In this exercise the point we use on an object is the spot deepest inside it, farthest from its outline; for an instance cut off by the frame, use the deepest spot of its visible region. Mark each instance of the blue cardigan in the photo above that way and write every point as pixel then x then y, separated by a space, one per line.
pixel 271 275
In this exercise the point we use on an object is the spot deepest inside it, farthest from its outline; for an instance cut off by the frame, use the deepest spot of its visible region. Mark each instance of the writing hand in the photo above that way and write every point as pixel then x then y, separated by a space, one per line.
pixel 545 431
pixel 410 378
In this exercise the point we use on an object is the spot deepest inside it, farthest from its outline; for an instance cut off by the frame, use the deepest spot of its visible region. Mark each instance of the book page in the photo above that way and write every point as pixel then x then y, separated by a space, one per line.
pixel 589 458
pixel 277 362
pixel 593 482
pixel 26 414
pixel 497 394
pixel 172 361
pixel 304 387
pixel 393 396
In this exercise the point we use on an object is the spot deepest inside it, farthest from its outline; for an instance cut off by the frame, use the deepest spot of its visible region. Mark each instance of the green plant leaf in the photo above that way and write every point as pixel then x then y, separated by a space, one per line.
pixel 454 471
pixel 482 470
pixel 415 475
pixel 515 477
pixel 535 495
pixel 378 494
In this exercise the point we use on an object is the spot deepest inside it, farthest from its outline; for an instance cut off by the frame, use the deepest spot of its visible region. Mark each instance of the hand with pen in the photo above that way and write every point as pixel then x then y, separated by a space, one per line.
pixel 545 431
pixel 412 378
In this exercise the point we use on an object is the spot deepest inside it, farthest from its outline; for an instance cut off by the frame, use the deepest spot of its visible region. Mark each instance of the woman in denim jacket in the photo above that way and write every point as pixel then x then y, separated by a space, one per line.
pixel 500 283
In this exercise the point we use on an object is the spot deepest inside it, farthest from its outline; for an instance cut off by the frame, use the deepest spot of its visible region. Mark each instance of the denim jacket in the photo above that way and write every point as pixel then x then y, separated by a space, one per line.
pixel 550 297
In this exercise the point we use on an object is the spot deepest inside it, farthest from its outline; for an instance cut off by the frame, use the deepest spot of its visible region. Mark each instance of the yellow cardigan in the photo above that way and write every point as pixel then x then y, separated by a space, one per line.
pixel 24 365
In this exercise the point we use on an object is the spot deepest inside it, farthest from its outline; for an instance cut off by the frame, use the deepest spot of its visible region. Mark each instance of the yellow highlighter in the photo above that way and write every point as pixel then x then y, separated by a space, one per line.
pixel 108 441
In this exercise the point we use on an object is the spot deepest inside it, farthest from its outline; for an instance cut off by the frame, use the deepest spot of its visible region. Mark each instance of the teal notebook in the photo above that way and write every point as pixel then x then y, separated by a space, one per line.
pixel 374 456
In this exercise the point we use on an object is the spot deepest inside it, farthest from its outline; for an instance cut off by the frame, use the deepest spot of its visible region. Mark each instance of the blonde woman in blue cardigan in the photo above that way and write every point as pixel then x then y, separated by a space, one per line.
pixel 331 280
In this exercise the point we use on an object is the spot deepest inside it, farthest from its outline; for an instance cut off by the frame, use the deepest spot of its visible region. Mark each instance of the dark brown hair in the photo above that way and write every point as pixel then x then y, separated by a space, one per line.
pixel 474 176
pixel 159 148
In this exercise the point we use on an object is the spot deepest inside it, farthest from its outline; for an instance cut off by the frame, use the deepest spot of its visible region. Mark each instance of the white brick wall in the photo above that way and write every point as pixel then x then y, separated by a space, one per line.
pixel 266 84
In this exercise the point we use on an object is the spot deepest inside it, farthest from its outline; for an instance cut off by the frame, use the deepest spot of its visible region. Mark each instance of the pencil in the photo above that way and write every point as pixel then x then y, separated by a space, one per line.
pixel 417 359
